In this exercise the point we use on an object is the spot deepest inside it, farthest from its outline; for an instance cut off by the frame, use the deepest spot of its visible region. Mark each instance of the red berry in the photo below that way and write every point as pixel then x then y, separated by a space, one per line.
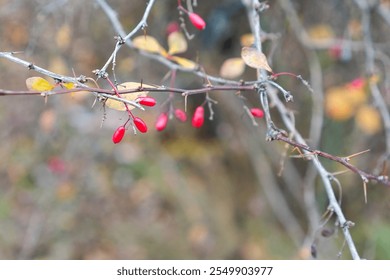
pixel 197 21
pixel 147 101
pixel 198 118
pixel 257 112
pixel 140 124
pixel 118 134
pixel 180 115
pixel 162 121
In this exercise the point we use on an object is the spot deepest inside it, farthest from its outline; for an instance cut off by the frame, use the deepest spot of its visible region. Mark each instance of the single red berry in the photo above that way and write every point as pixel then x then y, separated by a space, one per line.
pixel 257 112
pixel 180 115
pixel 147 101
pixel 118 134
pixel 197 21
pixel 198 117
pixel 162 121
pixel 140 124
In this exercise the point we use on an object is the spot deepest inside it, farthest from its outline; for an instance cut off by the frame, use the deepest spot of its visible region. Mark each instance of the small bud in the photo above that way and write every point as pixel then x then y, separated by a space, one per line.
pixel 118 134
pixel 180 115
pixel 197 21
pixel 146 101
pixel 140 124
pixel 257 112
pixel 162 121
pixel 198 118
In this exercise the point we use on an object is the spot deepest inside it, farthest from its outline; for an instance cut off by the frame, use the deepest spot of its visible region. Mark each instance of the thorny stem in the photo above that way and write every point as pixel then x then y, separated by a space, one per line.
pixel 342 160
pixel 108 93
pixel 254 19
pixel 124 38
pixel 272 132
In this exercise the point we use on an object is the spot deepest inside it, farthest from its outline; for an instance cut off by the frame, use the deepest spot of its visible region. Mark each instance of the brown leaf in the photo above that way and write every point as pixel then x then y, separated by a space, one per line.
pixel 255 59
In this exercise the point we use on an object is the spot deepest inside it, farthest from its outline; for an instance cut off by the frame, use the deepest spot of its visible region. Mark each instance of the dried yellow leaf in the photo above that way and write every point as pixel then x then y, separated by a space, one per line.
pixel 177 43
pixel 186 63
pixel 148 43
pixel 321 32
pixel 232 68
pixel 64 36
pixel 368 119
pixel 68 85
pixel 337 104
pixel 255 59
pixel 39 84
pixel 120 106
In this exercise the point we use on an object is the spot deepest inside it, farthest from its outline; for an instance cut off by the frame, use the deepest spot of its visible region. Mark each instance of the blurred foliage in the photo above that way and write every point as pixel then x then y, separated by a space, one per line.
pixel 66 192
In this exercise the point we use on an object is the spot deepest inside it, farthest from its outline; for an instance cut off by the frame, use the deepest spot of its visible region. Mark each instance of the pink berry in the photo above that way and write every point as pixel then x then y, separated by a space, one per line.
pixel 162 121
pixel 358 83
pixel 257 112
pixel 147 101
pixel 172 27
pixel 198 117
pixel 197 21
pixel 118 134
pixel 140 125
pixel 180 115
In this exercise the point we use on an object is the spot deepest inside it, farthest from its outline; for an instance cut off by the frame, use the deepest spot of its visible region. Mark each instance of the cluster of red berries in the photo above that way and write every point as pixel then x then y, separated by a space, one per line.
pixel 162 120
pixel 137 121
pixel 197 119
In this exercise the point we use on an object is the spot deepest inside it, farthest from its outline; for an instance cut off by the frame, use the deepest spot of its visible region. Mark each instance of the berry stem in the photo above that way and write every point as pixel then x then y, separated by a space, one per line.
pixel 118 95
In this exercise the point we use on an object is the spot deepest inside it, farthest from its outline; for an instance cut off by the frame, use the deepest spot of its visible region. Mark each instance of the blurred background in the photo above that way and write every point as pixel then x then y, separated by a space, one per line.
pixel 220 192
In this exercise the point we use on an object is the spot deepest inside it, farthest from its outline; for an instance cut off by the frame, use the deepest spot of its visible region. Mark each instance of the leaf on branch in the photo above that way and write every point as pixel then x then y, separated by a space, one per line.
pixel 68 85
pixel 149 44
pixel 255 59
pixel 177 43
pixel 120 106
pixel 39 84
pixel 232 68
pixel 186 63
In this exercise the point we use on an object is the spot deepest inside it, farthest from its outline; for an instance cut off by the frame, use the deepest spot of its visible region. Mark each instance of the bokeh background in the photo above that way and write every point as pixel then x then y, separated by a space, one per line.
pixel 220 192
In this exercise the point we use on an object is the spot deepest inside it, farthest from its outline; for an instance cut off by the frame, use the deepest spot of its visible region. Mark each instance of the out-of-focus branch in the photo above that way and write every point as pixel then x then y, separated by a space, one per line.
pixel 324 174
pixel 272 132
pixel 370 69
